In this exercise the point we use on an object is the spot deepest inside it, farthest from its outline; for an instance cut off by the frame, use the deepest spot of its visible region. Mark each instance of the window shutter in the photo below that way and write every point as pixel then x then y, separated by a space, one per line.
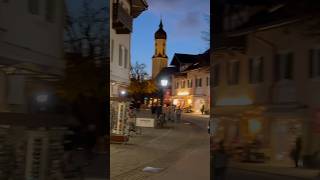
pixel 311 57
pixel 237 72
pixel 228 72
pixel 112 49
pixel 125 58
pixel 289 66
pixel 318 63
pixel 276 65
pixel 250 70
pixel 261 70
pixel 120 55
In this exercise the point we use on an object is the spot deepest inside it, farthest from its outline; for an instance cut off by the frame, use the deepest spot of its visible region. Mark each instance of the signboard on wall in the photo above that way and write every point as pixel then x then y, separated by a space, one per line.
pixel 145 122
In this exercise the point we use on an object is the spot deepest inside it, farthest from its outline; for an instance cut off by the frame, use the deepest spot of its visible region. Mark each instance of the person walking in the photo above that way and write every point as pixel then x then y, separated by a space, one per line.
pixel 202 109
pixel 132 120
pixel 295 153
pixel 178 115
pixel 220 161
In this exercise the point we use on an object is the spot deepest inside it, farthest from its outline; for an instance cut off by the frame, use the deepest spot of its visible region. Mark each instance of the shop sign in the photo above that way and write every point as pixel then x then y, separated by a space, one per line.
pixel 145 122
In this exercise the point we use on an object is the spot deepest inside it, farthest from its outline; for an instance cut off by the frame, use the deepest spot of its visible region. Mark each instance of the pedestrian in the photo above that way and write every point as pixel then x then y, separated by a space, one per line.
pixel 153 110
pixel 202 109
pixel 132 120
pixel 178 115
pixel 296 151
pixel 220 161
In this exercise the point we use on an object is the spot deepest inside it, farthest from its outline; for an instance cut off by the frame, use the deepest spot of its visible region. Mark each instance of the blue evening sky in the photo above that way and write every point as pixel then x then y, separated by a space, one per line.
pixel 183 20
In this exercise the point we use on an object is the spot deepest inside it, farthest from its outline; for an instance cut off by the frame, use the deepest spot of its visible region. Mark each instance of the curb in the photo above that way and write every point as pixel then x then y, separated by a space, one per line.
pixel 272 173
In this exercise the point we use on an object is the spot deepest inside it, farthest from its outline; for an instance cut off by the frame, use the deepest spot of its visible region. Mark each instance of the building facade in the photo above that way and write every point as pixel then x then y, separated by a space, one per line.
pixel 160 58
pixel 265 87
pixel 28 63
pixel 122 13
pixel 191 85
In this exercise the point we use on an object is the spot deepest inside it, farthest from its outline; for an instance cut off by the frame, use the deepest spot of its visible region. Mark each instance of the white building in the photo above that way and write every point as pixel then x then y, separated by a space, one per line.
pixel 31 53
pixel 122 13
pixel 191 85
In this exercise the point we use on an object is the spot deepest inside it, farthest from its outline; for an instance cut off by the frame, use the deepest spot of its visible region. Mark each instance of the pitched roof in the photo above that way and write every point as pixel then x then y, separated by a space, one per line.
pixel 202 60
pixel 183 58
pixel 279 13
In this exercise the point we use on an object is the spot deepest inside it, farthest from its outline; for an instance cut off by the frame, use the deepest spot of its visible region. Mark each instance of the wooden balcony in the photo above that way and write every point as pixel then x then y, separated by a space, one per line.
pixel 122 21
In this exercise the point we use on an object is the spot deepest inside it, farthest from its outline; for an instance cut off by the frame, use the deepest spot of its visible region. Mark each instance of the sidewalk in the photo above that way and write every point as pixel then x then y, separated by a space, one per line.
pixel 197 115
pixel 97 169
pixel 160 148
pixel 300 173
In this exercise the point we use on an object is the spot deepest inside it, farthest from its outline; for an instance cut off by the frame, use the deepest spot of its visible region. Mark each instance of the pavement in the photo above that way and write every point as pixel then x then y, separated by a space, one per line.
pixel 180 150
pixel 277 170
pixel 95 169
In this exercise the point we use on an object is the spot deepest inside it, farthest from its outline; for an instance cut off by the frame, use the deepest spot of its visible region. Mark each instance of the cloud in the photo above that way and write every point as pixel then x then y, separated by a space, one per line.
pixel 191 19
pixel 186 17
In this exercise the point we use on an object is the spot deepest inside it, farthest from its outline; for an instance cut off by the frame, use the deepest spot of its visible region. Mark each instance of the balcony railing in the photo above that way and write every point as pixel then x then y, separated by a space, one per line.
pixel 122 21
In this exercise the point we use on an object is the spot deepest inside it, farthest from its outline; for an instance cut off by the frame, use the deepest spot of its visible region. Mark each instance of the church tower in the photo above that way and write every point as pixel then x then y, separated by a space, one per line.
pixel 160 58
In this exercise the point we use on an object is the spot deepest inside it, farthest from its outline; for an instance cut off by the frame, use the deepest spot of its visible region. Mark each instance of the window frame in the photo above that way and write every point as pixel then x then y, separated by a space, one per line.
pixel 34 10
pixel 314 63
pixel 216 74
pixel 256 72
pixel 281 71
pixel 233 72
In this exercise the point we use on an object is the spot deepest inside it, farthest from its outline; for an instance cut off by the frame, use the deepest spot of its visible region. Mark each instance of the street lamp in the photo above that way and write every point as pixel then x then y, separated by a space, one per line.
pixel 123 93
pixel 164 84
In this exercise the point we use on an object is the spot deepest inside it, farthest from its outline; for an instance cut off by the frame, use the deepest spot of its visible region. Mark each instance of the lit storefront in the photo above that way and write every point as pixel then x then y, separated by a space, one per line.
pixel 275 132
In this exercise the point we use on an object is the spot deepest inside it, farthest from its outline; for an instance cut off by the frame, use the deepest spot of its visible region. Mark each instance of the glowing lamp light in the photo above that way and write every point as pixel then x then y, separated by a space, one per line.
pixel 175 102
pixel 234 101
pixel 164 83
pixel 123 92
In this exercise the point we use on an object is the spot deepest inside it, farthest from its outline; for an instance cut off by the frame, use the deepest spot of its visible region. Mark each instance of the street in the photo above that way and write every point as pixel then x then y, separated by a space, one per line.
pixel 235 174
pixel 181 151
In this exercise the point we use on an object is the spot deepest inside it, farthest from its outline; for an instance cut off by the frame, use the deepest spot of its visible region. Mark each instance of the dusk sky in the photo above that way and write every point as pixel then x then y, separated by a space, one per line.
pixel 183 20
